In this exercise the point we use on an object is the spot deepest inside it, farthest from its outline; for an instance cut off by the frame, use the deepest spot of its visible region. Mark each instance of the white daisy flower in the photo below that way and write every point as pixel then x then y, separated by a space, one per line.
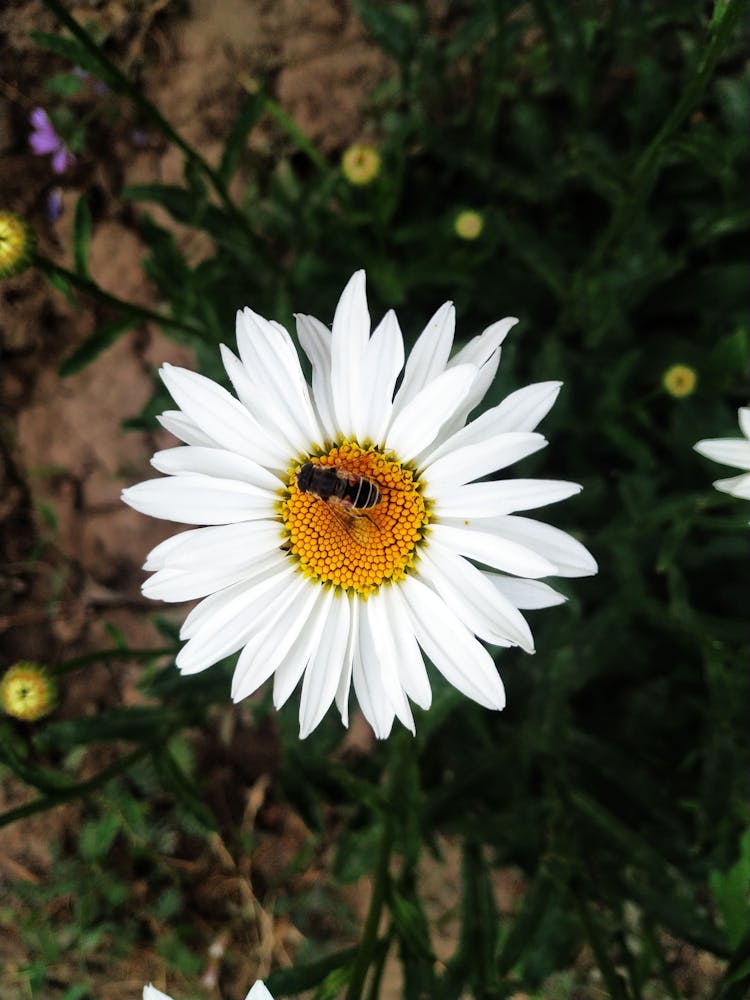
pixel 258 992
pixel 343 523
pixel 732 451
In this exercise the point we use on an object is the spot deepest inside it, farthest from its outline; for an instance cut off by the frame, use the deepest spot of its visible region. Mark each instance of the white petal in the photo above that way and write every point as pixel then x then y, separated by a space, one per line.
pixel 200 500
pixel 428 357
pixel 476 460
pixel 222 417
pixel 484 352
pixel 419 421
pixel 482 609
pixel 305 645
pixel 315 339
pixel 368 685
pixel 521 411
pixel 526 594
pixel 480 349
pixel 231 624
pixel 383 362
pixel 151 993
pixel 376 622
pixel 214 462
pixel 460 658
pixel 228 544
pixel 324 670
pixel 483 379
pixel 737 486
pixel 502 497
pixel 263 405
pixel 410 664
pixel 215 603
pixel 183 428
pixel 259 992
pixel 349 336
pixel 271 361
pixel 493 549
pixel 188 585
pixel 345 681
pixel 282 621
pixel 569 556
pixel 744 417
pixel 728 451
pixel 210 606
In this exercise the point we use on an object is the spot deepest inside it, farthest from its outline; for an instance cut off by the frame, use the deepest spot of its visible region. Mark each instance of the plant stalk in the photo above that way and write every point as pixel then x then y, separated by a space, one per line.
pixel 89 287
pixel 381 876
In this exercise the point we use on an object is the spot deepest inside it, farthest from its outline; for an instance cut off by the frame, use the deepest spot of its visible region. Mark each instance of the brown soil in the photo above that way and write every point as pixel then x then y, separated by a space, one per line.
pixel 71 551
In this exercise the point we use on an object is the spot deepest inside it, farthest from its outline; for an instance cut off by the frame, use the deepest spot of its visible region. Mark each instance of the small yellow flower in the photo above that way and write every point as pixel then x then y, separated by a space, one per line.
pixel 16 243
pixel 360 164
pixel 27 691
pixel 679 380
pixel 468 225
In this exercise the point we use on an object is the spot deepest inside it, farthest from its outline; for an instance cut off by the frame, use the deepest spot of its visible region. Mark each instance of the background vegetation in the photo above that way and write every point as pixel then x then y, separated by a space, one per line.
pixel 607 150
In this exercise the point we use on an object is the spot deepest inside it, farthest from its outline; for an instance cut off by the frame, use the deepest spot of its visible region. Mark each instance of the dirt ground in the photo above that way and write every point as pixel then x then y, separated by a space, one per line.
pixel 71 551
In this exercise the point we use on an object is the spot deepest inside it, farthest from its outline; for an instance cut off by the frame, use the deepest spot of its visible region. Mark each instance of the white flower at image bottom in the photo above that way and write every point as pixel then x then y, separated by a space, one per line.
pixel 258 992
pixel 734 452
pixel 344 533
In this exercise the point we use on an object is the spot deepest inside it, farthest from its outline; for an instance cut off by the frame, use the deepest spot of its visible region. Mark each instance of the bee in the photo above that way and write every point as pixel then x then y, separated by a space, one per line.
pixel 347 495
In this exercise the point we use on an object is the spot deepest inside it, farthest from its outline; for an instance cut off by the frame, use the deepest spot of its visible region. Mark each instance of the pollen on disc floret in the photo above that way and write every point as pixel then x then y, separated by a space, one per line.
pixel 356 549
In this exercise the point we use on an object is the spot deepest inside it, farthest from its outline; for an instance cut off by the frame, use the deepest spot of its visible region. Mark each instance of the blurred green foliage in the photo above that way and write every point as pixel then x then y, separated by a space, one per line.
pixel 606 147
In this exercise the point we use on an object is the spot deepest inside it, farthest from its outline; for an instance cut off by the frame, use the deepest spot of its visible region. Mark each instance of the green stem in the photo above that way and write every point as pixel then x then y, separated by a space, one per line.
pixel 109 654
pixel 121 84
pixel 75 791
pixel 89 287
pixel 615 985
pixel 381 876
pixel 726 16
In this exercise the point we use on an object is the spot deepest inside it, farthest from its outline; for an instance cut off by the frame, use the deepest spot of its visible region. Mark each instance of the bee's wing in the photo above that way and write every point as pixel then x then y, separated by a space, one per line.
pixel 360 527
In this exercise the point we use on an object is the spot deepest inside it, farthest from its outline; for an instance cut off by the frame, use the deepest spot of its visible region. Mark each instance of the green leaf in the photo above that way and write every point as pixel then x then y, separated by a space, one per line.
pixel 82 236
pixel 178 201
pixel 236 143
pixel 736 980
pixel 305 977
pixel 547 886
pixel 97 835
pixel 731 890
pixel 294 132
pixel 65 84
pixel 70 49
pixel 139 723
pixel 102 338
pixel 394 26
pixel 62 284
pixel 184 789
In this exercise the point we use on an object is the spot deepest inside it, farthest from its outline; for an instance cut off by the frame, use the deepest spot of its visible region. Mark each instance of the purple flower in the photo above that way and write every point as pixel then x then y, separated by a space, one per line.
pixel 54 204
pixel 44 139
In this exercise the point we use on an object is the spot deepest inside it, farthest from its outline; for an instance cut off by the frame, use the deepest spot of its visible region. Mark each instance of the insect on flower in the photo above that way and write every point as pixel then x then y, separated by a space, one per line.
pixel 346 534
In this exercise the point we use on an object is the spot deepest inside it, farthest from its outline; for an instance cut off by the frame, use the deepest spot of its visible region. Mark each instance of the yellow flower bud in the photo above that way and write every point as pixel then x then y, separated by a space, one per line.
pixel 27 691
pixel 16 244
pixel 360 164
pixel 679 380
pixel 468 225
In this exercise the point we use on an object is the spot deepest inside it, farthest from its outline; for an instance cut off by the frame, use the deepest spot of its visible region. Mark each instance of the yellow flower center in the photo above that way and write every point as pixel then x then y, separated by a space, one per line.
pixel 679 380
pixel 354 547
pixel 16 243
pixel 27 692
pixel 360 164
pixel 468 225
